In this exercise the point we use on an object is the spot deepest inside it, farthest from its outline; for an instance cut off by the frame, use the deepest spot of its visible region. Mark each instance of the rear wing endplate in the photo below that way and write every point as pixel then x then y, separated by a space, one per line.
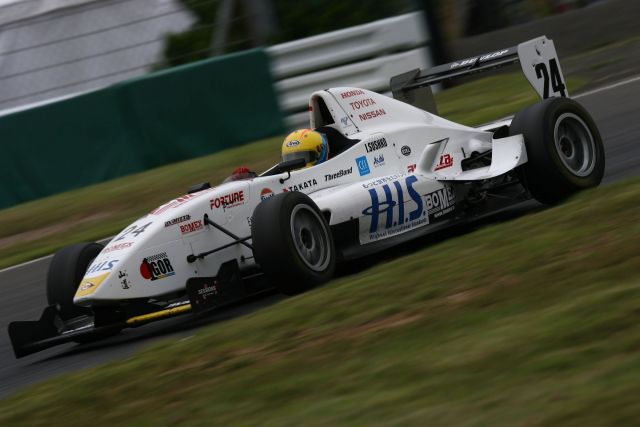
pixel 537 58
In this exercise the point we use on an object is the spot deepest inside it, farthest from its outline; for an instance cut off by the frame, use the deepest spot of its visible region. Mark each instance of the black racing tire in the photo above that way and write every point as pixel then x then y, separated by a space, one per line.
pixel 292 242
pixel 66 271
pixel 564 149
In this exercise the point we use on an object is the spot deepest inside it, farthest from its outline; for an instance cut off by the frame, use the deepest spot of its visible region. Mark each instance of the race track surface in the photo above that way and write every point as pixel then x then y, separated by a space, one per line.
pixel 22 295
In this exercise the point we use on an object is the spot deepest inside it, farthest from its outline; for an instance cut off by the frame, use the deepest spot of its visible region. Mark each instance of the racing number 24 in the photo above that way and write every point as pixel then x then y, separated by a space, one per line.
pixel 556 79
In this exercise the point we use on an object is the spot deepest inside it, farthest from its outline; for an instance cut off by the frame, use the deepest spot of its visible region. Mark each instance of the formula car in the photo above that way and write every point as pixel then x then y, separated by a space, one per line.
pixel 407 172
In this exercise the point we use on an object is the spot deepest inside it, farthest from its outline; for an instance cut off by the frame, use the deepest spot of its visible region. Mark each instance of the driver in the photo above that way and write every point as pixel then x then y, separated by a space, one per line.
pixel 307 144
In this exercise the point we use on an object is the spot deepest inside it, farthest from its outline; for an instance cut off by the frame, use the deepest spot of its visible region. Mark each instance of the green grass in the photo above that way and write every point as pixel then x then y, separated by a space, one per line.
pixel 527 323
pixel 40 227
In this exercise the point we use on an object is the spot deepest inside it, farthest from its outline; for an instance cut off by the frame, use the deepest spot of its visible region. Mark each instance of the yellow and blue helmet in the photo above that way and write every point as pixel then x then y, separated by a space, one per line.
pixel 305 144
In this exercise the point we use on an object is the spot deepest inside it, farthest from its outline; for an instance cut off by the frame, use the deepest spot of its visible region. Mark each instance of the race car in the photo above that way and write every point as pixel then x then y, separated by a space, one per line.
pixel 406 172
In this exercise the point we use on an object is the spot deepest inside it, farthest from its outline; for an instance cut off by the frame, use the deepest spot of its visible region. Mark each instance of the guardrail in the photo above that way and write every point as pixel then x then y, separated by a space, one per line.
pixel 363 56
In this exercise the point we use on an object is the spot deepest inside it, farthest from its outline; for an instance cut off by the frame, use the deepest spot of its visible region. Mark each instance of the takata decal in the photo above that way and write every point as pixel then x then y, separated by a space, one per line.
pixel 98 267
pixel 446 160
pixel 396 209
pixel 301 185
pixel 363 165
pixel 156 267
pixel 266 193
pixel 228 200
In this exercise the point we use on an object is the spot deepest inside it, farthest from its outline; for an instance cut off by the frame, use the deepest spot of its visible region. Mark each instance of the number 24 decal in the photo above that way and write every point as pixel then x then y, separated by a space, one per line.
pixel 133 230
pixel 556 79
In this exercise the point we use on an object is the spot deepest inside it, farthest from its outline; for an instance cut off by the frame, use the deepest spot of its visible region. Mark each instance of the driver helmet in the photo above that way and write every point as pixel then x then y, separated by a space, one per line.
pixel 306 144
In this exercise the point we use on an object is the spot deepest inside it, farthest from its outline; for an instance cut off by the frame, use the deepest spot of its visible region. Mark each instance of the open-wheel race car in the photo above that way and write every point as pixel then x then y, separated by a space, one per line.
pixel 403 172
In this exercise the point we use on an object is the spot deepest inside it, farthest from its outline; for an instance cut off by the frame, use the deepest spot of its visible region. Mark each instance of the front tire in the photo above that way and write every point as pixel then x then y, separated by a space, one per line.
pixel 292 242
pixel 66 271
pixel 564 149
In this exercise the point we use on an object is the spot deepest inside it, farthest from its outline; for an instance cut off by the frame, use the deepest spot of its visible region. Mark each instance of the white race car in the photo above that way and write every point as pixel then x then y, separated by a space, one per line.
pixel 406 172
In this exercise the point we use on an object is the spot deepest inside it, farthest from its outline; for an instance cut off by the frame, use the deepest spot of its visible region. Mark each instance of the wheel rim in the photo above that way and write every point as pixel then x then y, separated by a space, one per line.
pixel 575 144
pixel 310 237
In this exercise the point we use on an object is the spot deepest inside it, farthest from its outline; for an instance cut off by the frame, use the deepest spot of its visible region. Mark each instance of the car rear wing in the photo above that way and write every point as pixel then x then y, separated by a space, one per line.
pixel 537 58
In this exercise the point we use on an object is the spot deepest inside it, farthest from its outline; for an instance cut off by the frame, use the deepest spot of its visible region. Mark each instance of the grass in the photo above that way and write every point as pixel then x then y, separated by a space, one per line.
pixel 527 323
pixel 38 228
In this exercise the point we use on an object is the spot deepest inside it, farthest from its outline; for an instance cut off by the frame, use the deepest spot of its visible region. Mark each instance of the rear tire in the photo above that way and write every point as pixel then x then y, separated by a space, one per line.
pixel 292 242
pixel 66 271
pixel 564 149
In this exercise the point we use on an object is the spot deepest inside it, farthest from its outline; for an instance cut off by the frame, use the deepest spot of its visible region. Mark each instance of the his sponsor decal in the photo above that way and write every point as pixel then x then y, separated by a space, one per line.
pixel 471 61
pixel 191 227
pixel 156 267
pixel 411 168
pixel 363 103
pixel 372 114
pixel 208 290
pixel 344 121
pixel 97 267
pixel 124 279
pixel 117 247
pixel 375 145
pixel 178 220
pixel 405 150
pixel 402 208
pixel 446 160
pixel 302 185
pixel 363 165
pixel 266 193
pixel 399 207
pixel 250 221
pixel 177 202
pixel 351 93
pixel 228 200
pixel 293 143
pixel 378 161
pixel 339 174
pixel 440 202
pixel 90 284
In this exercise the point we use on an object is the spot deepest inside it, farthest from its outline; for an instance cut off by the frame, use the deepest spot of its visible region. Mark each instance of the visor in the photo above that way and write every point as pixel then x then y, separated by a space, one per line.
pixel 308 156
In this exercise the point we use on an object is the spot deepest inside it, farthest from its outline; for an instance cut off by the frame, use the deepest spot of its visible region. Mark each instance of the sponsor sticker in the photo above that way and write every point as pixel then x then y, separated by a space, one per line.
pixel 156 267
pixel 89 285
pixel 375 145
pixel 363 165
pixel 405 150
pixel 228 200
pixel 446 160
pixel 191 227
pixel 266 193
pixel 98 267
pixel 117 247
pixel 124 279
pixel 177 202
pixel 411 168
pixel 399 207
pixel 293 143
pixel 339 174
pixel 302 185
pixel 178 220
pixel 378 161
pixel 372 114
pixel 351 93
pixel 363 103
